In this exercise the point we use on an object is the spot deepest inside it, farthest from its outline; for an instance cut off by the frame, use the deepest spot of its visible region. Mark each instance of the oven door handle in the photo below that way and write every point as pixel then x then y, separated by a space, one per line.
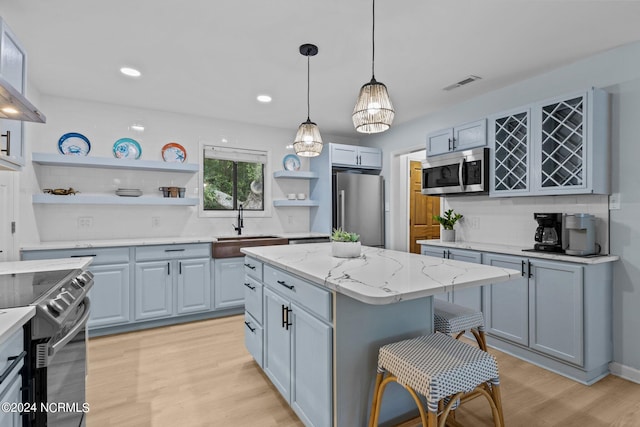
pixel 72 333
pixel 461 175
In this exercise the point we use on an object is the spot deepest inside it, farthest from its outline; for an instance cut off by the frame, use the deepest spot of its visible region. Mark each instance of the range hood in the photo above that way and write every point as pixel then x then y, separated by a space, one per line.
pixel 10 98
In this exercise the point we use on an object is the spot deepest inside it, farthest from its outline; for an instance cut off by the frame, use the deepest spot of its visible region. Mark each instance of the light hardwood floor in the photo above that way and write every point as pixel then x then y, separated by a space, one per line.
pixel 199 374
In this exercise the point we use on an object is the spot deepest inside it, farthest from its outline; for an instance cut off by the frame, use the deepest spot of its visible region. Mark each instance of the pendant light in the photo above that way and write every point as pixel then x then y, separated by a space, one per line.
pixel 308 142
pixel 373 111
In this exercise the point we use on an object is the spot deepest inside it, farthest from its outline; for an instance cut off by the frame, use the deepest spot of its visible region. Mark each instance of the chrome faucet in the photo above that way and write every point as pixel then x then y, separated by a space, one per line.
pixel 240 225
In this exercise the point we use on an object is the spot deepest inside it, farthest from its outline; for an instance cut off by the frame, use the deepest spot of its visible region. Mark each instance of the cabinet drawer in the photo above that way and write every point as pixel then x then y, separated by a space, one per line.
pixel 147 253
pixel 312 297
pixel 253 337
pixel 253 268
pixel 10 348
pixel 100 255
pixel 253 298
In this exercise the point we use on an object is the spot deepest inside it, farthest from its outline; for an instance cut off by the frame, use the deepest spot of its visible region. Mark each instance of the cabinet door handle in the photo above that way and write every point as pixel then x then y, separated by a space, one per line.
pixel 284 310
pixel 448 254
pixel 444 254
pixel 449 144
pixel 253 267
pixel 283 283
pixel 522 270
pixel 15 360
pixel 8 136
pixel 168 269
pixel 248 285
pixel 249 326
pixel 530 273
pixel 180 267
pixel 453 143
pixel 288 311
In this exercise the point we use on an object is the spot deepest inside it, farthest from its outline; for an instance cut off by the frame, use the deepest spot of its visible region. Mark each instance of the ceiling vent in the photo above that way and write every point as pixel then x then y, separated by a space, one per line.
pixel 462 82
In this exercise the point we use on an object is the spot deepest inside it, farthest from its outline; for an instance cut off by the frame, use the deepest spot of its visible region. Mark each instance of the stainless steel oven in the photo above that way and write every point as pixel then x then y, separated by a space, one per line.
pixel 465 172
pixel 56 342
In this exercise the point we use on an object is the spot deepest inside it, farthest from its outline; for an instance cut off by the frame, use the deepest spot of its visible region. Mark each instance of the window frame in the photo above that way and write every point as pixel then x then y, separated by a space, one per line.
pixel 267 200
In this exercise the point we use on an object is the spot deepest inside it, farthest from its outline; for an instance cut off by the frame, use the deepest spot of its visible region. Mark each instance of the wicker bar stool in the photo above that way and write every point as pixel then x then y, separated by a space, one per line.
pixel 443 370
pixel 453 319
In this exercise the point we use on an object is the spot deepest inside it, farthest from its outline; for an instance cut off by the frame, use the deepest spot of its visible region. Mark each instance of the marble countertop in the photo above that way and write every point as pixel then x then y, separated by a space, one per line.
pixel 378 276
pixel 12 319
pixel 15 267
pixel 143 241
pixel 518 250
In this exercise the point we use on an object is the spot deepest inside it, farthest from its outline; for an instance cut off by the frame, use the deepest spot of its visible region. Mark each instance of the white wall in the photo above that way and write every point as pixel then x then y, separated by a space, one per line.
pixel 503 220
pixel 103 124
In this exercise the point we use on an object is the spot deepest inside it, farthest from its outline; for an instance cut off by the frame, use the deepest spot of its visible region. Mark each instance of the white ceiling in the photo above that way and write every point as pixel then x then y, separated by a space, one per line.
pixel 212 57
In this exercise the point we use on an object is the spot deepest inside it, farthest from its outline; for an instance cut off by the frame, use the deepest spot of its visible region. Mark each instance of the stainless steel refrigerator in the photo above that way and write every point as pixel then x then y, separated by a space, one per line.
pixel 358 206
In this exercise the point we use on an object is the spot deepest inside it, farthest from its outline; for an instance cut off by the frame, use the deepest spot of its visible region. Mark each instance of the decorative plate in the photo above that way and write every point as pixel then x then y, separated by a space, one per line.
pixel 74 144
pixel 291 162
pixel 174 152
pixel 127 148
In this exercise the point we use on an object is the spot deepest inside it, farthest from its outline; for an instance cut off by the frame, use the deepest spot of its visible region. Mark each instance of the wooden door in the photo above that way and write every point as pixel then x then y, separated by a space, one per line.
pixel 421 210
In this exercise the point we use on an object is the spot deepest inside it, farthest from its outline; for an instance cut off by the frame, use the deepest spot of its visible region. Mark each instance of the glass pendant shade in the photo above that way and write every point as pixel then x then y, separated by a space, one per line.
pixel 308 142
pixel 373 111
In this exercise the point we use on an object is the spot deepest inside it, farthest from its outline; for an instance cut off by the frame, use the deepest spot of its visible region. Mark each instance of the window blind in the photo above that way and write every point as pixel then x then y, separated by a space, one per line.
pixel 235 154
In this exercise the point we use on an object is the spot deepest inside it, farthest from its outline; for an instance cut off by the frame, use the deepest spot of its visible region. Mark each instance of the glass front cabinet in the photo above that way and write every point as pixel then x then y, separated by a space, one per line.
pixel 557 146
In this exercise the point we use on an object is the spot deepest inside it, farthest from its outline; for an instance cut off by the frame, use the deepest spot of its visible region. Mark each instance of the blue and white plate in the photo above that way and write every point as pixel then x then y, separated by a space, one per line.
pixel 74 144
pixel 127 148
pixel 174 152
pixel 291 162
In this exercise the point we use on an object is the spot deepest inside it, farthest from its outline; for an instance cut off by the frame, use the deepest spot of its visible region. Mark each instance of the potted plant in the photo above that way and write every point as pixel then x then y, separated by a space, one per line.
pixel 345 244
pixel 448 234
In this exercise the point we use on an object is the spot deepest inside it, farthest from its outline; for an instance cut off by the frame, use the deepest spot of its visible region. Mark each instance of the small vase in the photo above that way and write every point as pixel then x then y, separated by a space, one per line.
pixel 345 249
pixel 448 235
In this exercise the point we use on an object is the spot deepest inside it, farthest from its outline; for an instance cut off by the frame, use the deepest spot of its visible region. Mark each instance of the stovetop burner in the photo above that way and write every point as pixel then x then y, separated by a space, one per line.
pixel 22 289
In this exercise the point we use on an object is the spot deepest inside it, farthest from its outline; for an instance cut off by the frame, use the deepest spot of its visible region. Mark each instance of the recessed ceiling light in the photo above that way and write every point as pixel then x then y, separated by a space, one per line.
pixel 10 110
pixel 264 98
pixel 131 72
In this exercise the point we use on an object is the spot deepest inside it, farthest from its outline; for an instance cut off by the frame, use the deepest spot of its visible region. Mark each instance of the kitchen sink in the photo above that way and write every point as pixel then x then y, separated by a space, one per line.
pixel 229 247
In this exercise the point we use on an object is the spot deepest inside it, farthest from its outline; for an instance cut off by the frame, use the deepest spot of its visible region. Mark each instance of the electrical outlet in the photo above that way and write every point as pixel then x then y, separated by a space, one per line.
pixel 474 222
pixel 155 222
pixel 85 222
pixel 614 202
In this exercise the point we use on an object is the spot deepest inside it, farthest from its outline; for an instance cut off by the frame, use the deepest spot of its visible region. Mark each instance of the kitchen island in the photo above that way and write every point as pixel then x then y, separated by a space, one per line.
pixel 317 322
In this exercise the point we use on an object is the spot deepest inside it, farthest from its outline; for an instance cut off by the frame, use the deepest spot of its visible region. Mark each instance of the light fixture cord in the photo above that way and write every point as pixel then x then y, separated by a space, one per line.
pixel 308 85
pixel 373 40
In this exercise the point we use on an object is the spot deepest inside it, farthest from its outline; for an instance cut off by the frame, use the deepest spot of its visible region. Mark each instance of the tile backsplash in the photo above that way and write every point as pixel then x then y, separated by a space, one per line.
pixel 510 221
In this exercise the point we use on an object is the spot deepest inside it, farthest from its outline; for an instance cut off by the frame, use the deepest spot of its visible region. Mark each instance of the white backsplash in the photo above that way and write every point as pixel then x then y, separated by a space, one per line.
pixel 510 221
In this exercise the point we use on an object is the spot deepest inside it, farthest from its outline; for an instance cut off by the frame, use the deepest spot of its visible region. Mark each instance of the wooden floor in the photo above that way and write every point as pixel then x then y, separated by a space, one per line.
pixel 199 374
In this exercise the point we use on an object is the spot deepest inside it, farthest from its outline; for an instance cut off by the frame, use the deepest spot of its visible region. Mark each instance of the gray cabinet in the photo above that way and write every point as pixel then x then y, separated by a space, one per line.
pixel 293 325
pixel 356 156
pixel 110 295
pixel 228 282
pixel 459 138
pixel 13 63
pixel 11 388
pixel 177 282
pixel 556 146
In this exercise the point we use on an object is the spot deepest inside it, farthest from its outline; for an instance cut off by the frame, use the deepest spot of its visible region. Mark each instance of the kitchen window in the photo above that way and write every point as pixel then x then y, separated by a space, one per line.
pixel 232 177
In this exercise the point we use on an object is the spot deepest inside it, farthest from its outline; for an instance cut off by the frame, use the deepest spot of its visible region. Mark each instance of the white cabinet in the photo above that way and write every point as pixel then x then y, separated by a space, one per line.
pixel 557 146
pixel 11 362
pixel 180 274
pixel 293 327
pixel 459 138
pixel 356 156
pixel 13 62
pixel 228 282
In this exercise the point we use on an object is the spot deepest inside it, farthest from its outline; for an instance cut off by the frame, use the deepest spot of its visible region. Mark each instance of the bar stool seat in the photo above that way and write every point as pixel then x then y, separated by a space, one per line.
pixel 443 370
pixel 453 319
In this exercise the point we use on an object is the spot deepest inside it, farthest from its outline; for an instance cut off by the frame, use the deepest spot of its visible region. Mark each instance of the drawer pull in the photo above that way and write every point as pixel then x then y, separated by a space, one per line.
pixel 249 326
pixel 174 250
pixel 15 360
pixel 283 283
pixel 82 256
pixel 8 149
pixel 248 285
pixel 253 267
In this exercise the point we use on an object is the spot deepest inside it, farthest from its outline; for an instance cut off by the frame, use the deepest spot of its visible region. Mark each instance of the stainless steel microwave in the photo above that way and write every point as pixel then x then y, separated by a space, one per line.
pixel 464 172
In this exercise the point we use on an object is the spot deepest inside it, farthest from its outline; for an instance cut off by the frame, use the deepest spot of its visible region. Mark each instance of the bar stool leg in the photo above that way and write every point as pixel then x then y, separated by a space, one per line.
pixel 374 402
pixel 497 398
pixel 480 338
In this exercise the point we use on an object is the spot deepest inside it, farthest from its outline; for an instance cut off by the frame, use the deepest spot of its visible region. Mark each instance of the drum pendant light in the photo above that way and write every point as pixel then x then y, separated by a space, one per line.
pixel 308 142
pixel 373 111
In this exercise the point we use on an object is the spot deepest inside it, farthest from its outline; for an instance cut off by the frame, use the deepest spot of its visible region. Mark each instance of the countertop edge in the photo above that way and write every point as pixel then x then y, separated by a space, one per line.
pixel 518 251
pixel 17 317
pixel 32 266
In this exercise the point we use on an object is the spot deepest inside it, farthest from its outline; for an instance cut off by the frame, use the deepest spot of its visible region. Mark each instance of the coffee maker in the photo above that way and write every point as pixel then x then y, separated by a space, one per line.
pixel 581 231
pixel 548 235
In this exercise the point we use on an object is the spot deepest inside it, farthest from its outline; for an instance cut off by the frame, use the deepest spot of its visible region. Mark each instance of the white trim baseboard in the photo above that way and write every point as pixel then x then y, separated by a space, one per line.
pixel 626 372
